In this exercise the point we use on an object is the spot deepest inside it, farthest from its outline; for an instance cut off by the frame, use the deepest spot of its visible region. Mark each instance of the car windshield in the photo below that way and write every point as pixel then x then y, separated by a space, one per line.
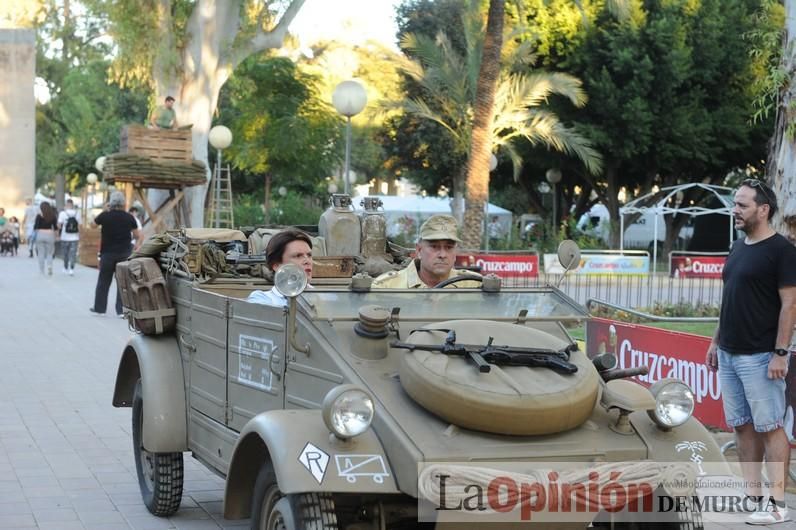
pixel 433 304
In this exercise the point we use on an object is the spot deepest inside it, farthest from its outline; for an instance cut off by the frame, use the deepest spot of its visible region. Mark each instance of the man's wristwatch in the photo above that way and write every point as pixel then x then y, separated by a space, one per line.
pixel 782 352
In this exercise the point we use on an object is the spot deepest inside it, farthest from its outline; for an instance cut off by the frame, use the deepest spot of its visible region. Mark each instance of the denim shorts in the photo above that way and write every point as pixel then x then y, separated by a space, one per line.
pixel 748 394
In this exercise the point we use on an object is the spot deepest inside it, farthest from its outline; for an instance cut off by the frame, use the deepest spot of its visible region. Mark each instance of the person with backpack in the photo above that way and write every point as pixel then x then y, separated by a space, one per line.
pixel 69 225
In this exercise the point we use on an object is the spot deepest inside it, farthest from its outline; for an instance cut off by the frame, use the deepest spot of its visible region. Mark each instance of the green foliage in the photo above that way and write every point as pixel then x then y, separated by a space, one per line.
pixel 285 128
pixel 664 309
pixel 765 39
pixel 248 209
pixel 294 209
pixel 446 82
pixel 375 66
pixel 669 88
pixel 82 122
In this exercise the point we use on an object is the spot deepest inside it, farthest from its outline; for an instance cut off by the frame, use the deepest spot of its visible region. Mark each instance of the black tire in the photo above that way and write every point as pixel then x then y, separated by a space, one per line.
pixel 160 475
pixel 271 510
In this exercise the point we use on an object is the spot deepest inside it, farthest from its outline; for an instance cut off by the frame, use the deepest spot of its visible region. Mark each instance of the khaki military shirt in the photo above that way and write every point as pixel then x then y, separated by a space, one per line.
pixel 409 279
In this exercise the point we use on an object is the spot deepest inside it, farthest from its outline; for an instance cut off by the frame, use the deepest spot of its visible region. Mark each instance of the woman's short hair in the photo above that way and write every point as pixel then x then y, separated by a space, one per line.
pixel 275 248
pixel 117 200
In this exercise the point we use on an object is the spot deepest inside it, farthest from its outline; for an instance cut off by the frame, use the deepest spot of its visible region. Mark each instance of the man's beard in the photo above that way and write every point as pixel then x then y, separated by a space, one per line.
pixel 748 225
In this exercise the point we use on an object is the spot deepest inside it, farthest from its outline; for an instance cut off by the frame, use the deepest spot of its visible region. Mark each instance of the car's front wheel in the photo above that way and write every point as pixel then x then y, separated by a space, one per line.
pixel 160 475
pixel 271 510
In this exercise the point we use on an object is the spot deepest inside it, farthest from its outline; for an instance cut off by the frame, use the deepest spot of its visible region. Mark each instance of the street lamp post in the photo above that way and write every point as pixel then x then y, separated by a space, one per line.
pixel 493 162
pixel 91 178
pixel 349 98
pixel 553 176
pixel 220 137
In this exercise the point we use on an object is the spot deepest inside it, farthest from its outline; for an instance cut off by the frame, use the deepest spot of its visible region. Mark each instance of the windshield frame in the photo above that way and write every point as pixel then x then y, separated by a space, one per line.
pixel 408 312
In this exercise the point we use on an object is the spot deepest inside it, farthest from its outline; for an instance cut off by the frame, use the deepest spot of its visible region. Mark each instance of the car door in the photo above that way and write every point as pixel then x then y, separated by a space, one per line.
pixel 208 365
pixel 257 342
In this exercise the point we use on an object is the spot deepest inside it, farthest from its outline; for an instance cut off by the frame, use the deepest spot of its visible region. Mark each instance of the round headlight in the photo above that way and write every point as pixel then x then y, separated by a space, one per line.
pixel 290 280
pixel 674 403
pixel 347 411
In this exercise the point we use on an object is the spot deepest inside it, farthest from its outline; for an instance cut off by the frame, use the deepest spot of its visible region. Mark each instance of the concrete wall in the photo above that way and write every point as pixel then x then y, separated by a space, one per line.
pixel 17 119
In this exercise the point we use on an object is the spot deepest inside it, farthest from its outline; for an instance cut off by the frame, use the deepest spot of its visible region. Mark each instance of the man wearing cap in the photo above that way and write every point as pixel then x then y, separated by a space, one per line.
pixel 435 256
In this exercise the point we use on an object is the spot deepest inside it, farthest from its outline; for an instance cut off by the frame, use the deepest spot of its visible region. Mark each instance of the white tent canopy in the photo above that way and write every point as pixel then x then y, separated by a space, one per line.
pixel 663 202
pixel 404 215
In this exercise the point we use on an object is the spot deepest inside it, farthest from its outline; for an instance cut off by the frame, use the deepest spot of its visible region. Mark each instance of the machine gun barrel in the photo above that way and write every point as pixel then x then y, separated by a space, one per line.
pixel 483 356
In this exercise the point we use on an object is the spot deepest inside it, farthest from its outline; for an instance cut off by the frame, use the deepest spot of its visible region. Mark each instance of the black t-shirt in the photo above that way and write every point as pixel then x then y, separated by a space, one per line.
pixel 116 227
pixel 41 224
pixel 750 304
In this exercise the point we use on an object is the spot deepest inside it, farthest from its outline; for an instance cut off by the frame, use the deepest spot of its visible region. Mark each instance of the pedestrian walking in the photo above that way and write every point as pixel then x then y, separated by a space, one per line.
pixel 494 232
pixel 46 228
pixel 750 347
pixel 13 227
pixel 69 225
pixel 117 228
pixel 28 220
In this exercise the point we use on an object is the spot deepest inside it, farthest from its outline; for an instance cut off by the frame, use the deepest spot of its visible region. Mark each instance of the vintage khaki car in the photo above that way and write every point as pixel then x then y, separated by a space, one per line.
pixel 335 410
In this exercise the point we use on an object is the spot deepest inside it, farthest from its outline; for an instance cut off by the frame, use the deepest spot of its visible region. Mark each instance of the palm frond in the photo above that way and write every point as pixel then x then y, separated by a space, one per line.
pixel 545 128
pixel 516 160
pixel 421 108
pixel 532 90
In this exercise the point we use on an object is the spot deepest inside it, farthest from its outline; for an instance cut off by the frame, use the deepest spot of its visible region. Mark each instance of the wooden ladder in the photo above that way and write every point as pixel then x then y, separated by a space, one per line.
pixel 220 214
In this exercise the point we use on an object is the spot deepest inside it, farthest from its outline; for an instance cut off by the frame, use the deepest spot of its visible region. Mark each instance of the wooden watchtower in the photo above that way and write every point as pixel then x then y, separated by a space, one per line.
pixel 156 159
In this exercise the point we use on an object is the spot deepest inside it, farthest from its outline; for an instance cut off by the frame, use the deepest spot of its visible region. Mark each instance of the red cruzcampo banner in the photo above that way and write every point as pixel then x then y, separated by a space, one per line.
pixel 675 354
pixel 668 354
pixel 503 265
pixel 697 266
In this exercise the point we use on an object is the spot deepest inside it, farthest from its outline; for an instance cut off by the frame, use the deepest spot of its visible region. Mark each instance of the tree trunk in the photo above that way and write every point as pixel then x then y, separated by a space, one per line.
pixel 457 207
pixel 477 183
pixel 782 155
pixel 207 62
pixel 267 198
pixel 612 203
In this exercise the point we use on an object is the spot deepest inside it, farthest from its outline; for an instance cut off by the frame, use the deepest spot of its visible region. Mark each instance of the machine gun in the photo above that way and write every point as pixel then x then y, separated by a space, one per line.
pixel 483 356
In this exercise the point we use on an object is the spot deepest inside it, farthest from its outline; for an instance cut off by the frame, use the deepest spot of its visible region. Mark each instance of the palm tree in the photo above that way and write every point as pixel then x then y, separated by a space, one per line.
pixel 477 179
pixel 450 84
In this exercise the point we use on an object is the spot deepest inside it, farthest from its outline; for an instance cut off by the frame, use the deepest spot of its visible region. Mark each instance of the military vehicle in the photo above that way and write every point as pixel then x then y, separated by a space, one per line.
pixel 328 412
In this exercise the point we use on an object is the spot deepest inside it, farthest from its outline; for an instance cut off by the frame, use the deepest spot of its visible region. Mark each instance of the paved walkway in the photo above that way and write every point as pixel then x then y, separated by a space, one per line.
pixel 66 458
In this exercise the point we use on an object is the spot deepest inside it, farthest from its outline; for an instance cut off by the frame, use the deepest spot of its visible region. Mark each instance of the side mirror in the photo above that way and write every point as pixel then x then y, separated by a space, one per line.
pixel 568 254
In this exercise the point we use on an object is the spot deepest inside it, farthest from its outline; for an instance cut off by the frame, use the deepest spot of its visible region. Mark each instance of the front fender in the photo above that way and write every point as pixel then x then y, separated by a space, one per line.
pixel 156 361
pixel 283 436
pixel 675 445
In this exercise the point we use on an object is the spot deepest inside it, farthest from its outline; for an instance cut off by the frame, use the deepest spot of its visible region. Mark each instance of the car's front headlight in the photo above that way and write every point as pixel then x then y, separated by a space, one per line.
pixel 347 411
pixel 674 403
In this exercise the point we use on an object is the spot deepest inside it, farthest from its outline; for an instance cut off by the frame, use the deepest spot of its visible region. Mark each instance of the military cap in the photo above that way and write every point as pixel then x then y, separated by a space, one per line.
pixel 440 227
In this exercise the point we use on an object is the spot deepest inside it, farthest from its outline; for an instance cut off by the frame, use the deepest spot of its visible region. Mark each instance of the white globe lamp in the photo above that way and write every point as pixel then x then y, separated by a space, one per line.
pixel 349 98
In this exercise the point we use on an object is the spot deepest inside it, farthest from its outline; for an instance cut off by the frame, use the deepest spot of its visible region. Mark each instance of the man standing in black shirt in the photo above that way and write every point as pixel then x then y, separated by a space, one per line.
pixel 750 346
pixel 117 226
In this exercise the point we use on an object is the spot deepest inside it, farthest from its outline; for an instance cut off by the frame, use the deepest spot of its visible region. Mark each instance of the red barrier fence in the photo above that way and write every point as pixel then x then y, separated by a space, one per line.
pixel 503 265
pixel 687 265
pixel 668 354
pixel 673 354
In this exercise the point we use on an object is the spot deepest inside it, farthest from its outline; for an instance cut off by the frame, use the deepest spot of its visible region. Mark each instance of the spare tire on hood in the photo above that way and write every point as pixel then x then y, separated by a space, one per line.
pixel 515 400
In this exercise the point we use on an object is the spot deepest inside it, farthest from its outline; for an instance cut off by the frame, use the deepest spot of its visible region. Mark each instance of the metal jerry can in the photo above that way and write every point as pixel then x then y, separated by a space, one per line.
pixel 374 228
pixel 339 226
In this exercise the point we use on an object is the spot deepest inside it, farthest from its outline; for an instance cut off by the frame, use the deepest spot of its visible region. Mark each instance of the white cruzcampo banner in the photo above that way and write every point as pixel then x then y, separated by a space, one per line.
pixel 602 264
